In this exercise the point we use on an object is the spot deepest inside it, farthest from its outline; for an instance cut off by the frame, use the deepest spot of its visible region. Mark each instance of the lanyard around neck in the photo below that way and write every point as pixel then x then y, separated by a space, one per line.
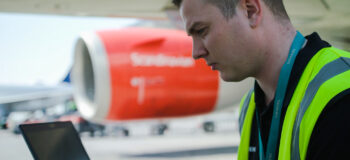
pixel 297 44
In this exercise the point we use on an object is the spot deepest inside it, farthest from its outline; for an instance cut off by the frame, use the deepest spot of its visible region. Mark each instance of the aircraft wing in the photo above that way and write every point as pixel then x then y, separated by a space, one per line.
pixel 106 8
pixel 29 98
pixel 328 17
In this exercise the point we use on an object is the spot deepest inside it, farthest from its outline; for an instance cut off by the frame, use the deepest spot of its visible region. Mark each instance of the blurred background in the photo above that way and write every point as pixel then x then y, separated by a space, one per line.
pixel 51 70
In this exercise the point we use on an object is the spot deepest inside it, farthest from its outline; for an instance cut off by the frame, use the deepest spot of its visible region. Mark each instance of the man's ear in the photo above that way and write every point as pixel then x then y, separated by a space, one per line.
pixel 253 11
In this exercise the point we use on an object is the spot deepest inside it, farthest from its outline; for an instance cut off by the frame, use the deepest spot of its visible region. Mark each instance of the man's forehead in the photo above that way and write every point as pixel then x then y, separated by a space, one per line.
pixel 191 12
pixel 189 7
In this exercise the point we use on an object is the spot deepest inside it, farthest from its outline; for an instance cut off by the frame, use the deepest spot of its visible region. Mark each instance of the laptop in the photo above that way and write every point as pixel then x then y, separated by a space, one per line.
pixel 53 141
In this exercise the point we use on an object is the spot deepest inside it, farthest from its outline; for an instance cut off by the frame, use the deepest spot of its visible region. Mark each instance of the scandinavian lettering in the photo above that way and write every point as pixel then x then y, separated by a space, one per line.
pixel 160 60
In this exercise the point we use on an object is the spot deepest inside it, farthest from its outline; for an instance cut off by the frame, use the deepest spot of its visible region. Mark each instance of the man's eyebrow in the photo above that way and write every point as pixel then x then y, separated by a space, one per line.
pixel 192 28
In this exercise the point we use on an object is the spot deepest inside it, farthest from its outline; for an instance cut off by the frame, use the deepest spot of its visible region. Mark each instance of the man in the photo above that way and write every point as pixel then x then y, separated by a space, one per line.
pixel 299 105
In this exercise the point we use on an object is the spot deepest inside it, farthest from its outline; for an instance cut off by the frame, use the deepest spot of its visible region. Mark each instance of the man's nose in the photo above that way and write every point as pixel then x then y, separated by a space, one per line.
pixel 198 50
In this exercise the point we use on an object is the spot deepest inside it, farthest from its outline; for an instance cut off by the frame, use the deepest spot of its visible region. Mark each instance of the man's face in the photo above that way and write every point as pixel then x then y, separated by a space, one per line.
pixel 226 44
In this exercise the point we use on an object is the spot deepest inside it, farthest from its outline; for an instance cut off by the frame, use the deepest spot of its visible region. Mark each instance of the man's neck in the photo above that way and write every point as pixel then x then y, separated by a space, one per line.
pixel 278 47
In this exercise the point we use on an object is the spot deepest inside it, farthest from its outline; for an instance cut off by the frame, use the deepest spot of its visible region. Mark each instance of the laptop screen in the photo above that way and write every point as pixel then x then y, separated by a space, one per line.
pixel 54 141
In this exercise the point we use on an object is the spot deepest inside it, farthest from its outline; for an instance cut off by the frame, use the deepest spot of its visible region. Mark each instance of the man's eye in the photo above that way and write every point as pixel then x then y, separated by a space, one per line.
pixel 201 32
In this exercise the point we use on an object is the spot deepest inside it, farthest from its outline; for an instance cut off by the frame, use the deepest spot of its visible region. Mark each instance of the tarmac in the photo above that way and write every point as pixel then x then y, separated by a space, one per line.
pixel 177 144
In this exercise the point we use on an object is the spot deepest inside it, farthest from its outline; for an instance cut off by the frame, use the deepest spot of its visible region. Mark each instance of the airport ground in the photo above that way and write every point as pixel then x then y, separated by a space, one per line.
pixel 183 141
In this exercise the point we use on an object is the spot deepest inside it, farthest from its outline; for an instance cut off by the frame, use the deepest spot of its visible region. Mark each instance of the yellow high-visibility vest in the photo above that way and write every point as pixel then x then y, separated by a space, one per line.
pixel 326 75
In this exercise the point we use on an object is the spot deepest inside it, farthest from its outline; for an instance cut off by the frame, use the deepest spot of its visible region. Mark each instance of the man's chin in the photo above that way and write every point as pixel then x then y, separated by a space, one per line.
pixel 230 78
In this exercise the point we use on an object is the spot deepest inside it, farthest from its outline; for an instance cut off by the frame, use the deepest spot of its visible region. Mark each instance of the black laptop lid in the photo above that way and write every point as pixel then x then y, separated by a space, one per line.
pixel 53 141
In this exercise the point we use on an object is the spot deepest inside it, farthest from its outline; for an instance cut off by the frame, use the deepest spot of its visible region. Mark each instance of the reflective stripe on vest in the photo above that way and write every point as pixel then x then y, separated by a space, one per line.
pixel 243 109
pixel 328 72
pixel 326 75
pixel 245 125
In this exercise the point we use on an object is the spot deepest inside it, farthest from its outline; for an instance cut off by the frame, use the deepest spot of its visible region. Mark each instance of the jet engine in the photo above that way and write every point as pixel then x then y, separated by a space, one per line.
pixel 145 73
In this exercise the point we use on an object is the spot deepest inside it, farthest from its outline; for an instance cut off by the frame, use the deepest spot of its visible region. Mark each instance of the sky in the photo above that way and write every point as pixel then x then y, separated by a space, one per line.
pixel 38 49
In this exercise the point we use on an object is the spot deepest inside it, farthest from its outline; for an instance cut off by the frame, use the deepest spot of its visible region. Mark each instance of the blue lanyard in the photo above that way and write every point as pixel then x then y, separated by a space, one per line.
pixel 297 44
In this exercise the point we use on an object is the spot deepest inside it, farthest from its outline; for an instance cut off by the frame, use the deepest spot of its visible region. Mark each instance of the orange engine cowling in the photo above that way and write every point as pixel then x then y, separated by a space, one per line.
pixel 139 73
